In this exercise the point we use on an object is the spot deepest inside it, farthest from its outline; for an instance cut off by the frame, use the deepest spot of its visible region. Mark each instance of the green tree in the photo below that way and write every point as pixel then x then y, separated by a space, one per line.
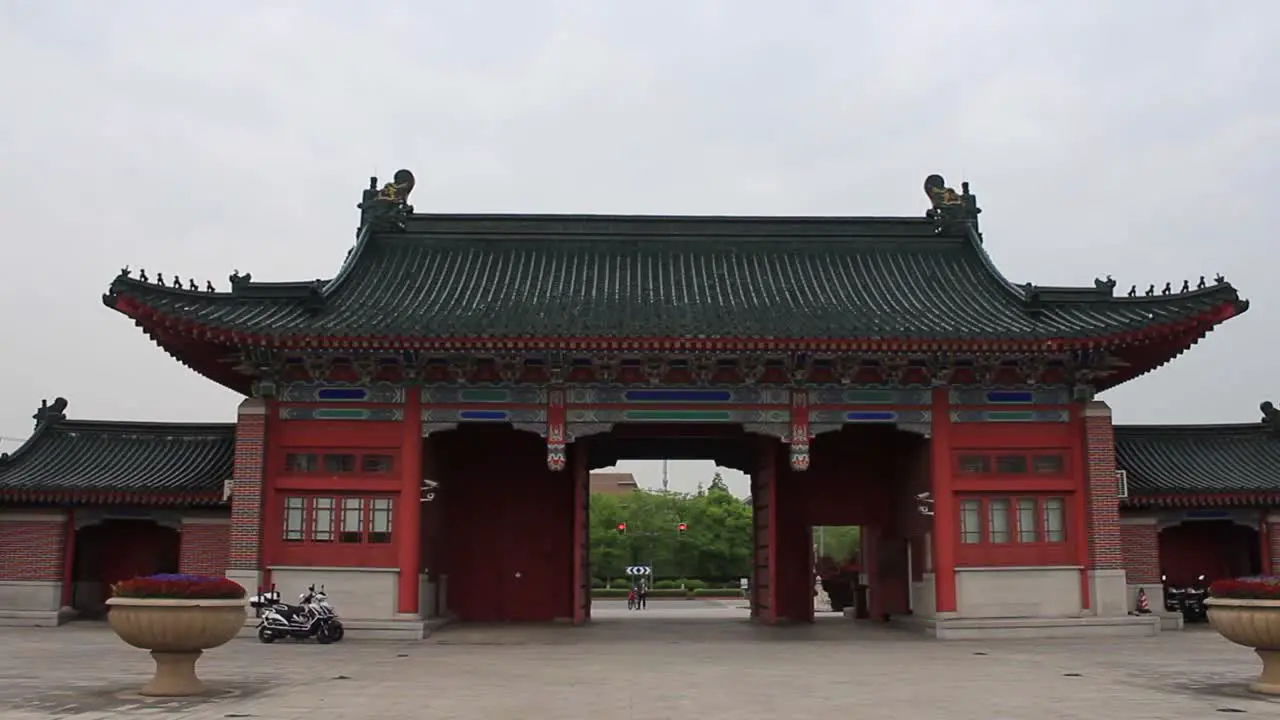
pixel 840 543
pixel 717 544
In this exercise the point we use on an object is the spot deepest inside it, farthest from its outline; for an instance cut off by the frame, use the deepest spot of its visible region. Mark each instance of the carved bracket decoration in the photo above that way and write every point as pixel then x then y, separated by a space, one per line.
pixel 940 371
pixel 799 429
pixel 556 430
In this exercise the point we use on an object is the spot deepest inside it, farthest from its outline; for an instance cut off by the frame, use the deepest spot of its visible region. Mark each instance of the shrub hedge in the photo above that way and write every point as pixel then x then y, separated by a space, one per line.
pixel 615 593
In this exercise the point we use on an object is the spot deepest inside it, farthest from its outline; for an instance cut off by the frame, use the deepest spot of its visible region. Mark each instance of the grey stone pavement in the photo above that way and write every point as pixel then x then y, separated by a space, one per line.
pixel 678 659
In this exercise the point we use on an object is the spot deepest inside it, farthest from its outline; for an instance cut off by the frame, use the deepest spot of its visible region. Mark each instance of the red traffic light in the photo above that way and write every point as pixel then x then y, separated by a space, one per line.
pixel 682 527
pixel 622 527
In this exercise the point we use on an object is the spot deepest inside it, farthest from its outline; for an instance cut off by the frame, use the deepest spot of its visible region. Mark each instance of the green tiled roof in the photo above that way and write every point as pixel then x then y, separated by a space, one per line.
pixel 1208 459
pixel 555 276
pixel 69 457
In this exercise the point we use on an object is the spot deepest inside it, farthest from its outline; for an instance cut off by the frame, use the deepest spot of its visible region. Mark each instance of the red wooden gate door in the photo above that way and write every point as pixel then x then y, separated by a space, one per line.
pixel 521 575
pixel 529 580
pixel 133 548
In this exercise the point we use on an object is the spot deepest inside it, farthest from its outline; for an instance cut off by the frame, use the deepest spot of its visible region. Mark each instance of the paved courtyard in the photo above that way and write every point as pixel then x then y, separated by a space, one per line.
pixel 675 660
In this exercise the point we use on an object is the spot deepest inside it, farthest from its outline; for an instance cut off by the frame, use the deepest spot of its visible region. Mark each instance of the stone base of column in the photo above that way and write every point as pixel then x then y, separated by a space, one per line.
pixel 1109 593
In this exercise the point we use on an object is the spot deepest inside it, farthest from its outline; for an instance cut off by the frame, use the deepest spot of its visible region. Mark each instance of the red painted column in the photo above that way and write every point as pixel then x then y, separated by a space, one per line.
pixel 581 533
pixel 409 512
pixel 945 519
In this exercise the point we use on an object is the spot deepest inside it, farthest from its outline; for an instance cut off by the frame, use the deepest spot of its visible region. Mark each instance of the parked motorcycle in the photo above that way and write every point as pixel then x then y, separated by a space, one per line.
pixel 313 616
pixel 323 608
pixel 1187 601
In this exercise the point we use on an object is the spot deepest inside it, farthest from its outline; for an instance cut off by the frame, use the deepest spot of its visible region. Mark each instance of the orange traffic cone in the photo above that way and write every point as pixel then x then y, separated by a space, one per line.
pixel 1144 606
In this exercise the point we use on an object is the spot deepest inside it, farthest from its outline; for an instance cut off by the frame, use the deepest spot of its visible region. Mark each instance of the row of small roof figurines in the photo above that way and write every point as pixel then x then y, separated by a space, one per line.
pixel 1168 287
pixel 176 283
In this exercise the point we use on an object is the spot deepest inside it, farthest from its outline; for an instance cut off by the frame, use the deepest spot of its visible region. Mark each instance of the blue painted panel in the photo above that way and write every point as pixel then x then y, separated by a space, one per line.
pixel 1024 397
pixel 871 416
pixel 1207 515
pixel 1010 396
pixel 342 393
pixel 378 392
pixel 483 415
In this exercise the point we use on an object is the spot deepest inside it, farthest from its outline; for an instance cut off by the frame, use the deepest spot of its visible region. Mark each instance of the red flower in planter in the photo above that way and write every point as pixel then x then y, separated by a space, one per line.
pixel 1264 587
pixel 179 587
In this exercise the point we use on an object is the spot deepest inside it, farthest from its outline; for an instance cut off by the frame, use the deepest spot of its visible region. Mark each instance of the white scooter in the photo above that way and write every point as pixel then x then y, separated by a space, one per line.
pixel 313 616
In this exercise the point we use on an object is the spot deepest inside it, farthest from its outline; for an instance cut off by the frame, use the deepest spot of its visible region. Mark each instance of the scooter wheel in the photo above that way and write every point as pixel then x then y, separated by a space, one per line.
pixel 266 636
pixel 323 637
pixel 337 631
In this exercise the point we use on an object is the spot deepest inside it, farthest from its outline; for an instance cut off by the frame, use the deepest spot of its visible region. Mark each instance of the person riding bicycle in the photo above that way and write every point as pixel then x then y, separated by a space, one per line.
pixel 631 599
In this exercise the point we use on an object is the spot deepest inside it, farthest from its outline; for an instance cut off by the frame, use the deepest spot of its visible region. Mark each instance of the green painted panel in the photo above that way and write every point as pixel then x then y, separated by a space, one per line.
pixel 341 414
pixel 1010 415
pixel 672 415
pixel 870 396
pixel 485 395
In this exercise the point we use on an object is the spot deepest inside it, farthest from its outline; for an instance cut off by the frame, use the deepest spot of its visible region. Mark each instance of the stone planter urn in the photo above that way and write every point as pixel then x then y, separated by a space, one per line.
pixel 1253 624
pixel 177 632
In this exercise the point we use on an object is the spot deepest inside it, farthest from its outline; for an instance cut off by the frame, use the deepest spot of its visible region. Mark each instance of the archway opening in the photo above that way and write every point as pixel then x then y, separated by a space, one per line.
pixel 115 550
pixel 1213 548
pixel 684 535
pixel 511 533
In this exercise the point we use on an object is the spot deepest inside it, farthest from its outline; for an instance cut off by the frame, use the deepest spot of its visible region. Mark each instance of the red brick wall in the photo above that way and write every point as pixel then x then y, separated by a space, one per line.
pixel 32 549
pixel 206 548
pixel 246 498
pixel 1141 551
pixel 1104 507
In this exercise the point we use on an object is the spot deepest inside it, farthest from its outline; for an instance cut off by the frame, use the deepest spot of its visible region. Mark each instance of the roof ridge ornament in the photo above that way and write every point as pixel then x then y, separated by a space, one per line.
pixel 387 208
pixel 1270 416
pixel 948 205
pixel 48 414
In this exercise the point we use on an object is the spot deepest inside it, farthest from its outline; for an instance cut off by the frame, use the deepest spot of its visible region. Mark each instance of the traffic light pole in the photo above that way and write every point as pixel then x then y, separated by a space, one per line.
pixel 649 535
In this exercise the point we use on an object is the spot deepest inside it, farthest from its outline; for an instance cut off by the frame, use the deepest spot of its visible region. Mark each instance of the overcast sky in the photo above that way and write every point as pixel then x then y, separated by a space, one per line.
pixel 1132 138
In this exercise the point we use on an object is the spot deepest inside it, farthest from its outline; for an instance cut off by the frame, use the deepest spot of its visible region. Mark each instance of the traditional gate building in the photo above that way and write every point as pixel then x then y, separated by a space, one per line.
pixel 1199 500
pixel 84 504
pixel 418 430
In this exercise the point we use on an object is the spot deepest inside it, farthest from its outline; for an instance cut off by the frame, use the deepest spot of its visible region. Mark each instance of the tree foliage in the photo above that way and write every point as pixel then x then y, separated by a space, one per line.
pixel 838 543
pixel 717 544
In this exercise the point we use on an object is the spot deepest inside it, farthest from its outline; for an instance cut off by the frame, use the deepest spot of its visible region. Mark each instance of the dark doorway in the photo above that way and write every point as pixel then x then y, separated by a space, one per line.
pixel 115 550
pixel 1213 548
